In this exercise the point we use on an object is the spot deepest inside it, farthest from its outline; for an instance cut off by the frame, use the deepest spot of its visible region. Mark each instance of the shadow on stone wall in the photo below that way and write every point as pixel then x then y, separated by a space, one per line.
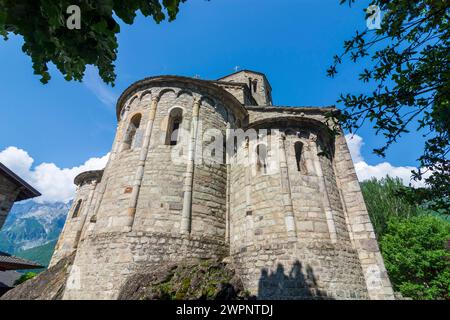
pixel 298 284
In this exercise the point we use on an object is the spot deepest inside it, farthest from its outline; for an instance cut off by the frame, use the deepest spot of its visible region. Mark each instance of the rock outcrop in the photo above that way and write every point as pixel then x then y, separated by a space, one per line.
pixel 48 285
pixel 188 280
pixel 207 280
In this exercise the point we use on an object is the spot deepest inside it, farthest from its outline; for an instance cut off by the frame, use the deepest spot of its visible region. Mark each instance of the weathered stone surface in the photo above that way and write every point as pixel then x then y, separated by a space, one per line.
pixel 184 281
pixel 8 194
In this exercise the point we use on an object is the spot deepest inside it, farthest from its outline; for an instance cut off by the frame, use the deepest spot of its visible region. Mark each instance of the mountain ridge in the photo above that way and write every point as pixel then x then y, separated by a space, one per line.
pixel 31 224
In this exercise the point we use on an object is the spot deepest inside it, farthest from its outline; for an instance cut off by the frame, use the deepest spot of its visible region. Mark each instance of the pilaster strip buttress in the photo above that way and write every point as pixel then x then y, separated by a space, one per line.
pixel 323 190
pixel 248 193
pixel 186 216
pixel 228 192
pixel 286 188
pixel 141 165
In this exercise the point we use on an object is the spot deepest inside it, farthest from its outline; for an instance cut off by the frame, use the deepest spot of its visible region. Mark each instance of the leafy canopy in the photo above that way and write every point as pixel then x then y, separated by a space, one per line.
pixel 42 23
pixel 406 66
pixel 414 241
pixel 385 200
pixel 416 255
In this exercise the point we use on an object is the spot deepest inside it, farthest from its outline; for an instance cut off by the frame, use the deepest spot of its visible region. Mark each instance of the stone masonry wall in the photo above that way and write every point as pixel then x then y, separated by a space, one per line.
pixel 304 270
pixel 361 229
pixel 8 194
pixel 262 94
pixel 105 260
pixel 73 227
pixel 314 260
pixel 113 242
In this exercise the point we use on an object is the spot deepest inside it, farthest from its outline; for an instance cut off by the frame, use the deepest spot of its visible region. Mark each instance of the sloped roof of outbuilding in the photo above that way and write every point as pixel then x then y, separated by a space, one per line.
pixel 9 262
pixel 26 191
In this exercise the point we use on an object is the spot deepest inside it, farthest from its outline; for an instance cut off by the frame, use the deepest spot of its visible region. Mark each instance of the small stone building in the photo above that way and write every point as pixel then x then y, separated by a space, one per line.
pixel 211 169
pixel 12 189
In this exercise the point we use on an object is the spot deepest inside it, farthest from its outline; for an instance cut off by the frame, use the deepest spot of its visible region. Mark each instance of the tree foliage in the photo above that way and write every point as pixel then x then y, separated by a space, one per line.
pixel 384 200
pixel 407 70
pixel 413 240
pixel 417 256
pixel 42 23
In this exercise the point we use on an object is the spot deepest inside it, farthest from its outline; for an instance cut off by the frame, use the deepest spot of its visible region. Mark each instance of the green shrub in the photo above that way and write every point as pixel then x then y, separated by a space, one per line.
pixel 417 256
pixel 384 200
pixel 25 277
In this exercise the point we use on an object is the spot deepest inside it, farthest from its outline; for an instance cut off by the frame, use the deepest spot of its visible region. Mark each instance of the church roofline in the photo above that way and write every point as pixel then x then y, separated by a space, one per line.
pixel 286 121
pixel 207 84
pixel 295 109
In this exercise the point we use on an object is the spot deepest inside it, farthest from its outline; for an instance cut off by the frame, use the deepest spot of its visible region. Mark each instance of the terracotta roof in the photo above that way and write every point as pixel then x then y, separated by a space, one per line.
pixel 26 191
pixel 9 262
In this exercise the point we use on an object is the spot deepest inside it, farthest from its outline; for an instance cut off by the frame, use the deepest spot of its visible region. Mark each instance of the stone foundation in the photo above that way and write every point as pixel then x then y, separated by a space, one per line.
pixel 104 262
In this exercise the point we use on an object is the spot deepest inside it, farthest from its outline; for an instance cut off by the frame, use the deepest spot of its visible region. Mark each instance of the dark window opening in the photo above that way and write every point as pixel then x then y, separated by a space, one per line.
pixel 174 125
pixel 261 161
pixel 174 135
pixel 76 211
pixel 131 132
pixel 298 146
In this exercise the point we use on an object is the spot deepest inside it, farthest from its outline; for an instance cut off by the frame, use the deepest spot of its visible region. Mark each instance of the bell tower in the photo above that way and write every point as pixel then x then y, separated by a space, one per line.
pixel 257 83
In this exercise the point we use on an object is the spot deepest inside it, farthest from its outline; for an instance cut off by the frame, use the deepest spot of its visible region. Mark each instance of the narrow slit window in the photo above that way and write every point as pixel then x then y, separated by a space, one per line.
pixel 298 147
pixel 174 125
pixel 76 211
pixel 131 132
pixel 261 158
pixel 174 135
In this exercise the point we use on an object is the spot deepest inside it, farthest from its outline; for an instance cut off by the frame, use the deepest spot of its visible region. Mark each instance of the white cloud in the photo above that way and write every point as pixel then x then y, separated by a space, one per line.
pixel 366 171
pixel 55 184
pixel 355 144
pixel 95 84
pixel 17 160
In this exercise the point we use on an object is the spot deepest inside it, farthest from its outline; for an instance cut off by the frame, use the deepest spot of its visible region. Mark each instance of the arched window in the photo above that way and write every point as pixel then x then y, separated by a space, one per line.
pixel 298 147
pixel 76 211
pixel 261 158
pixel 173 128
pixel 131 131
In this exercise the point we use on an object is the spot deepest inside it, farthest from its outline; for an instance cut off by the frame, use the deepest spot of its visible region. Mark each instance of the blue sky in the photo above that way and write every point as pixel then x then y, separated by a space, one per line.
pixel 291 41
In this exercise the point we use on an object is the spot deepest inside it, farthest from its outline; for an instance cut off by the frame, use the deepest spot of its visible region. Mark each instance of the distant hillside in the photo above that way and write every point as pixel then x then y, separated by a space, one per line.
pixel 31 224
pixel 41 254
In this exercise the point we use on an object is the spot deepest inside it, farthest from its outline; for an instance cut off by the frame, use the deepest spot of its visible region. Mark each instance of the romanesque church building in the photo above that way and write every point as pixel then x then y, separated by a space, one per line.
pixel 213 170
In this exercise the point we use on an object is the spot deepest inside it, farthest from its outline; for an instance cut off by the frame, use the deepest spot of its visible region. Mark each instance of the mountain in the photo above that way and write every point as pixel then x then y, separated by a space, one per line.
pixel 31 224
pixel 41 254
